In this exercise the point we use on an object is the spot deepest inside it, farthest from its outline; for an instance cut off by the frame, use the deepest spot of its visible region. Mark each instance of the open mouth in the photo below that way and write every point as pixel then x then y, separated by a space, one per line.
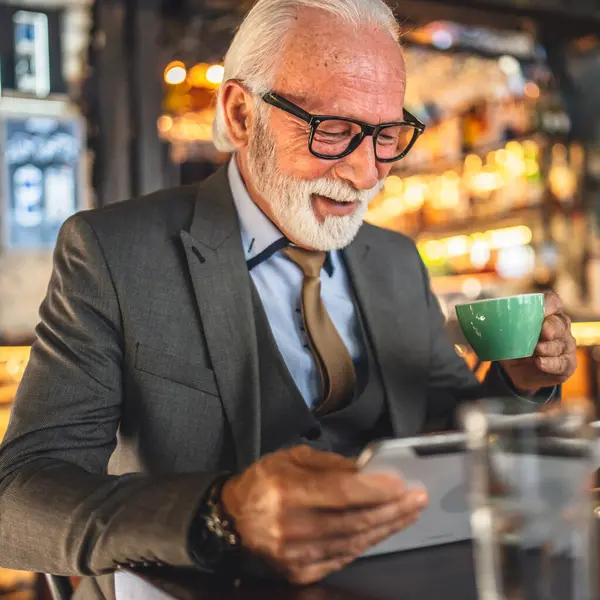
pixel 325 206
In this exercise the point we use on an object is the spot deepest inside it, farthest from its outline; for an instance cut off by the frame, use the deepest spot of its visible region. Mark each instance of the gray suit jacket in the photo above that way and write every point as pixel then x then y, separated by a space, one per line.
pixel 143 382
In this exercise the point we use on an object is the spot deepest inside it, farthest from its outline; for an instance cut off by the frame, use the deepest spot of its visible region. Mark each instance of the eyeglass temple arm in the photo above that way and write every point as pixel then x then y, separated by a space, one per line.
pixel 410 118
pixel 289 107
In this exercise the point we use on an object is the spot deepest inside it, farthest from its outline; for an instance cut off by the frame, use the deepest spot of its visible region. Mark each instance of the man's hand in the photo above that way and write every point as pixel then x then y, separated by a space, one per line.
pixel 554 360
pixel 310 513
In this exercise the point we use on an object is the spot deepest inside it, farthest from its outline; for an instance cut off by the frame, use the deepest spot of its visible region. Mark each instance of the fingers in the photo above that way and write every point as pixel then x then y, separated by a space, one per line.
pixel 552 304
pixel 560 366
pixel 556 353
pixel 555 326
pixel 339 490
pixel 309 513
pixel 313 557
pixel 556 348
pixel 327 523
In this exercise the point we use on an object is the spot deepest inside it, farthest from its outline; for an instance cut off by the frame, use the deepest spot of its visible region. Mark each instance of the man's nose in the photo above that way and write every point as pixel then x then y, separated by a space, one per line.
pixel 361 168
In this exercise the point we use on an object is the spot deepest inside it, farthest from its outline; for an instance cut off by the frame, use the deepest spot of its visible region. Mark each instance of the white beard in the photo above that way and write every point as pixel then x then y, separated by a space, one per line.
pixel 290 200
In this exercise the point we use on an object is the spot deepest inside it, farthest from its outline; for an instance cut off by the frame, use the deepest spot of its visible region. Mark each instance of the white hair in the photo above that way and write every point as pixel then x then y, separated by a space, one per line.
pixel 252 56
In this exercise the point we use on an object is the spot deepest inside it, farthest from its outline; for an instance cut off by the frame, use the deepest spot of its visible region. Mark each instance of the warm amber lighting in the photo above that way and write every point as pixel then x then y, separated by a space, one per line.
pixel 175 73
pixel 13 361
pixel 186 128
pixel 203 75
pixel 449 194
pixel 164 124
pixel 457 246
pixel 586 334
pixel 451 176
pixel 479 253
pixel 501 156
pixel 385 212
pixel 531 147
pixel 531 167
pixel 8 353
pixel 215 74
pixel 486 181
pixel 506 168
pixel 414 193
pixel 476 244
pixel 473 162
pixel 197 75
pixel 532 90
pixel 394 185
pixel 563 183
pixel 393 205
pixel 433 250
pixel 516 149
pixel 514 166
pixel 562 178
pixel 510 236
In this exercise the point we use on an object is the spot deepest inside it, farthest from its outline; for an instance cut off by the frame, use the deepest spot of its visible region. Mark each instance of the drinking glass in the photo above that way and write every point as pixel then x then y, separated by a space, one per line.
pixel 533 522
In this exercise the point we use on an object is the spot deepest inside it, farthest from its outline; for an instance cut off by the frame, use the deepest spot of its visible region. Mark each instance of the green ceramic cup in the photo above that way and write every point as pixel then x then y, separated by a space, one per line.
pixel 503 328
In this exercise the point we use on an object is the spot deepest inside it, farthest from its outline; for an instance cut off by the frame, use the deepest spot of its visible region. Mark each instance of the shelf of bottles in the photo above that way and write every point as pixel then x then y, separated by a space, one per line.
pixel 473 197
pixel 189 109
pixel 492 200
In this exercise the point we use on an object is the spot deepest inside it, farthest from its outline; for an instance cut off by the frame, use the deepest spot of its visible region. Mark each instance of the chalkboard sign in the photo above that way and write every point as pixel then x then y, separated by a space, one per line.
pixel 41 184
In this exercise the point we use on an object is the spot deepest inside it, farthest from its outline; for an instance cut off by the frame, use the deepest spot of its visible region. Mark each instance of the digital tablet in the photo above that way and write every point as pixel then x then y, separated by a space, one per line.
pixel 437 463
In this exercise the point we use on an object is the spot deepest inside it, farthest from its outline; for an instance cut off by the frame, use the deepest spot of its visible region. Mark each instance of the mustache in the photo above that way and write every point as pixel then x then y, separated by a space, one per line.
pixel 341 191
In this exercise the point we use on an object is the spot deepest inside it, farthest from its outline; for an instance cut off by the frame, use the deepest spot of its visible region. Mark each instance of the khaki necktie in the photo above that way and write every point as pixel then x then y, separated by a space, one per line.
pixel 331 355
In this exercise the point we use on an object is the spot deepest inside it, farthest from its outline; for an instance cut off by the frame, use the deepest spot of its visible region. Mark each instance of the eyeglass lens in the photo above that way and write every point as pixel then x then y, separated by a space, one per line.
pixel 333 137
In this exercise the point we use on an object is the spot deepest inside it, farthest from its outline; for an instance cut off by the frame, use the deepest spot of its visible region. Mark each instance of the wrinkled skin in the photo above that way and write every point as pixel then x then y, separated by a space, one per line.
pixel 309 513
pixel 554 360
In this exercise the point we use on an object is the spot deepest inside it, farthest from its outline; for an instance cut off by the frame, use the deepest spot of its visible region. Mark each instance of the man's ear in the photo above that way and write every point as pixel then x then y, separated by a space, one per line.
pixel 237 105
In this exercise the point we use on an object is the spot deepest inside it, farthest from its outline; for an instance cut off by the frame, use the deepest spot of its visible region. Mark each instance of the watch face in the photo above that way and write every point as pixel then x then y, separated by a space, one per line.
pixel 213 544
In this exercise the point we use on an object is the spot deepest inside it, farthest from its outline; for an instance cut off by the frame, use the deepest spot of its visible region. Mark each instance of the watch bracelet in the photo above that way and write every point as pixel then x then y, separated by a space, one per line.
pixel 218 521
pixel 229 558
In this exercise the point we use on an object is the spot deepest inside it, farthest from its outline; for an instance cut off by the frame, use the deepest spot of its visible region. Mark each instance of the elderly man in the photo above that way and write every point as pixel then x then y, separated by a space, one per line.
pixel 210 359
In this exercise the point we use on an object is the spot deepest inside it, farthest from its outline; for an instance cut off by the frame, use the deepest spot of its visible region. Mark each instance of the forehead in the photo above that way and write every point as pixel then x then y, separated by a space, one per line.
pixel 331 67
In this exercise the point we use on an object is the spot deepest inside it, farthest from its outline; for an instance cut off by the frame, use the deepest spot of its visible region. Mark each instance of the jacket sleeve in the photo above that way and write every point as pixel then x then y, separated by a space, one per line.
pixel 59 510
pixel 452 383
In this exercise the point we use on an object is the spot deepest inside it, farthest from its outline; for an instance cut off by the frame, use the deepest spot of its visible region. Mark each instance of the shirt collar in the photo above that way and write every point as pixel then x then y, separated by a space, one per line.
pixel 259 235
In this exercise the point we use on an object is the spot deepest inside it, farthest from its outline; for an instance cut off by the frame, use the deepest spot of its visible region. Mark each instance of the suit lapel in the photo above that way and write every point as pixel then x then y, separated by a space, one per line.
pixel 222 288
pixel 385 307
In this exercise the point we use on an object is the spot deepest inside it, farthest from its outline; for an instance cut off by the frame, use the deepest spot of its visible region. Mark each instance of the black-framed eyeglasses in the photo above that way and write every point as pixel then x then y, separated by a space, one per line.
pixel 332 138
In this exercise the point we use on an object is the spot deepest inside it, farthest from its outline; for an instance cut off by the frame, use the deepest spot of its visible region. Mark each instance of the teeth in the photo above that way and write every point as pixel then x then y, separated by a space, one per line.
pixel 336 200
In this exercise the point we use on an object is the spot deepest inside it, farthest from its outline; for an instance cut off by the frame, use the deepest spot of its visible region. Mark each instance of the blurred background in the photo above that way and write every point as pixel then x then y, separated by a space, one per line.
pixel 108 99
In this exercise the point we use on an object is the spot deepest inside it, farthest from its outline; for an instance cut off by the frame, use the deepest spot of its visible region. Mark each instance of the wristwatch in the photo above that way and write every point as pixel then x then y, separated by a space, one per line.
pixel 214 542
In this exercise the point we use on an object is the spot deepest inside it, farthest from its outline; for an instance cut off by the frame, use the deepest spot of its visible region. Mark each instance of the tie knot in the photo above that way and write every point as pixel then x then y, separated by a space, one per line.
pixel 310 261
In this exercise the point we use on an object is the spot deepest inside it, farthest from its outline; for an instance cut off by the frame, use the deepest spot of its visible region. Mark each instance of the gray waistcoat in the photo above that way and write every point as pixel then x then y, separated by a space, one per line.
pixel 287 421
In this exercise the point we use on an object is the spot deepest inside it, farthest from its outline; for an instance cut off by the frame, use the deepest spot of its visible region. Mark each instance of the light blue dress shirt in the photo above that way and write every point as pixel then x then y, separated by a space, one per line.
pixel 279 283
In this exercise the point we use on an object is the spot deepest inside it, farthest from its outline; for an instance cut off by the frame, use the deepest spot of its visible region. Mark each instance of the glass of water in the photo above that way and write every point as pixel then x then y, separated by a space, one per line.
pixel 533 521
